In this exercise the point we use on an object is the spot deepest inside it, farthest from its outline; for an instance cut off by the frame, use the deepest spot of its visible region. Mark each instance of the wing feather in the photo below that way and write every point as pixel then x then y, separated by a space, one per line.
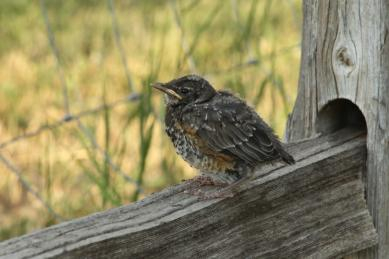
pixel 233 129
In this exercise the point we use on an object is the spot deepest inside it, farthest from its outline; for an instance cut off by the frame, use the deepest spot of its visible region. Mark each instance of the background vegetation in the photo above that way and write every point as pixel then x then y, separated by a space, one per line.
pixel 99 53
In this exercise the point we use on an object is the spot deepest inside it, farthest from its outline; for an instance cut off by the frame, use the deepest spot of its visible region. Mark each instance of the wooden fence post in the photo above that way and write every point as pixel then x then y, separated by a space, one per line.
pixel 345 65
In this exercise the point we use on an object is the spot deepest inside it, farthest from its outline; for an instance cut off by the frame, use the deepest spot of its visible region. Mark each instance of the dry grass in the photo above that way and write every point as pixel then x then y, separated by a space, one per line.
pixel 222 39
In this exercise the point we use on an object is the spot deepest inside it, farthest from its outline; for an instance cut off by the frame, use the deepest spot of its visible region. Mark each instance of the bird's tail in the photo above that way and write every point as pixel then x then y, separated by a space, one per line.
pixel 286 157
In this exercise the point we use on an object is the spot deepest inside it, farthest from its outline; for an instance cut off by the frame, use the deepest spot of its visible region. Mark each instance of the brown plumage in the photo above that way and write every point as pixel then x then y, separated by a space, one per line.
pixel 217 132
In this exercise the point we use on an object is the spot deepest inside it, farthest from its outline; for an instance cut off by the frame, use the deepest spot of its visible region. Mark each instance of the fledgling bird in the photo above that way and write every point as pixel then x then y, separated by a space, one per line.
pixel 217 133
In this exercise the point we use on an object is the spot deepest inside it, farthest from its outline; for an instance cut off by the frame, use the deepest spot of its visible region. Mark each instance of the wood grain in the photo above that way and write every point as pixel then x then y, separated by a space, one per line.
pixel 345 54
pixel 313 209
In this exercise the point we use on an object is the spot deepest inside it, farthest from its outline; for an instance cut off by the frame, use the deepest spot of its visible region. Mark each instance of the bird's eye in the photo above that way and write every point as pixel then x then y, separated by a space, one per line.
pixel 184 90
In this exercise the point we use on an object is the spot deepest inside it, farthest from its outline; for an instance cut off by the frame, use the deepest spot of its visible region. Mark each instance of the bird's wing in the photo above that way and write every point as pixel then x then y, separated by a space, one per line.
pixel 232 129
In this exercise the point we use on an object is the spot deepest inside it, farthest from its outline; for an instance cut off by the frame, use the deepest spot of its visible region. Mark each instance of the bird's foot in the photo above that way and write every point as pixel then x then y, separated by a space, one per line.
pixel 195 188
pixel 228 190
pixel 204 180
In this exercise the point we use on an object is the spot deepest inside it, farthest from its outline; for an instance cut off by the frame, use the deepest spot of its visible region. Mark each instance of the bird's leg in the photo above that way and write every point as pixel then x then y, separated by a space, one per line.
pixel 226 192
pixel 201 180
pixel 205 179
pixel 230 190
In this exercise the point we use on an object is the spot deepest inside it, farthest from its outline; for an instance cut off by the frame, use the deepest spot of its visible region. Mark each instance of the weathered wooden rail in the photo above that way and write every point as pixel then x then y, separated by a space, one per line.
pixel 313 209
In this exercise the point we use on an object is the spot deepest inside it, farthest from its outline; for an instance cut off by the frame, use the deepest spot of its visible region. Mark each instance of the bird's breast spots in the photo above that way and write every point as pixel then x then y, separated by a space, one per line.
pixel 196 153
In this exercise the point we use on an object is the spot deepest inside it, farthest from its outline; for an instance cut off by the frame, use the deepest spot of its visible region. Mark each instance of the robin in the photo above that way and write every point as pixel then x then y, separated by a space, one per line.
pixel 217 133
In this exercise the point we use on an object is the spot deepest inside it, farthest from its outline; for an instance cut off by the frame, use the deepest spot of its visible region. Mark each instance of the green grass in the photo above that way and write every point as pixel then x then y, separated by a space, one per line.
pixel 249 47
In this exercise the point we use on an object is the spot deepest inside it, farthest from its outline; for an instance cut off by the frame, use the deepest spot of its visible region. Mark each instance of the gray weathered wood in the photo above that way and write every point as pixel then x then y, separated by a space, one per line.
pixel 313 209
pixel 345 54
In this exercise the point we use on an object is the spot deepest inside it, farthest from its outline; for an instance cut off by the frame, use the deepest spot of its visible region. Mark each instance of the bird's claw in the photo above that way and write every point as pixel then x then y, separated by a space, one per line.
pixel 195 184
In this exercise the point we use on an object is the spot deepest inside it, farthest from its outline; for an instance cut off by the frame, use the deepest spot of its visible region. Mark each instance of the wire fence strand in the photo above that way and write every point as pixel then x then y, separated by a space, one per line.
pixel 27 186
pixel 69 117
pixel 184 43
pixel 53 46
pixel 119 44
pixel 81 126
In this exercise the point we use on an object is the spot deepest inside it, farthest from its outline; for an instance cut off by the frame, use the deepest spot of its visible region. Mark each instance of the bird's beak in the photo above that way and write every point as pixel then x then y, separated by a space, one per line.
pixel 162 87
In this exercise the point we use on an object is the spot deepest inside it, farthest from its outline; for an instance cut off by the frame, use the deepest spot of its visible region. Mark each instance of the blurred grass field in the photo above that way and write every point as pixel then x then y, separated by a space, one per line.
pixel 250 47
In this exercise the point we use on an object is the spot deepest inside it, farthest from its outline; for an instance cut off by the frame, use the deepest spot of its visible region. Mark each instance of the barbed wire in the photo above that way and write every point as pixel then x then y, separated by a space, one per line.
pixel 183 41
pixel 53 46
pixel 26 185
pixel 119 44
pixel 69 117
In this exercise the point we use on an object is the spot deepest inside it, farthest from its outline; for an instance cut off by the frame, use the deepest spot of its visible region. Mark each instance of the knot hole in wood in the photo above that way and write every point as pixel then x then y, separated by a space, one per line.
pixel 344 58
pixel 340 113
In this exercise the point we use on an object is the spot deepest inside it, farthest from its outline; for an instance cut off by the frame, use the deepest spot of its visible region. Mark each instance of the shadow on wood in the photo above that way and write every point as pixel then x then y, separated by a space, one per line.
pixel 315 208
pixel 338 114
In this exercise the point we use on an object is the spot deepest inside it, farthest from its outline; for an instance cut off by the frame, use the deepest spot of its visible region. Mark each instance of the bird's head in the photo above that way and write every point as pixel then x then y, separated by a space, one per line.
pixel 188 89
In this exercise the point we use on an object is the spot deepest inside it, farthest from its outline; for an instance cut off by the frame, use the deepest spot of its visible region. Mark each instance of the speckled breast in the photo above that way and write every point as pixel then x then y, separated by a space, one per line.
pixel 185 147
pixel 189 149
